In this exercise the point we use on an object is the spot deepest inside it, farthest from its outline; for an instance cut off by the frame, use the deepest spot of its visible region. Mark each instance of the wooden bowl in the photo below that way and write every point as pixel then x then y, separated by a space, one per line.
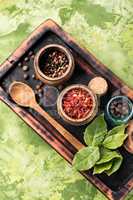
pixel 57 80
pixel 128 144
pixel 82 121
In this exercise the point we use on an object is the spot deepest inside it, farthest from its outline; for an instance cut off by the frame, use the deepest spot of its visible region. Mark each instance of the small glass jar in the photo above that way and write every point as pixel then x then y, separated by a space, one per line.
pixel 114 106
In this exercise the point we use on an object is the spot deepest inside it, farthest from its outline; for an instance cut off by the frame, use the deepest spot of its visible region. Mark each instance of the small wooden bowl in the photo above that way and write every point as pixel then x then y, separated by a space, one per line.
pixel 82 121
pixel 129 141
pixel 57 80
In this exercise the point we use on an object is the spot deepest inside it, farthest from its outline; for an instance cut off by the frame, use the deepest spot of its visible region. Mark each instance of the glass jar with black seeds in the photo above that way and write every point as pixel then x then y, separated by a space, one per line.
pixel 119 110
pixel 56 64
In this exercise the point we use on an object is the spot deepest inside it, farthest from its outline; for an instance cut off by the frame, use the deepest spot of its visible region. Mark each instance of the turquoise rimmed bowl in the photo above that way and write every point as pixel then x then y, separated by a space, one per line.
pixel 119 120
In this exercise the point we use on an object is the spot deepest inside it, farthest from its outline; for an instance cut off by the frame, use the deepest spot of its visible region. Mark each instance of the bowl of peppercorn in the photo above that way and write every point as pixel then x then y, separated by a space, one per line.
pixel 54 64
pixel 77 104
pixel 119 110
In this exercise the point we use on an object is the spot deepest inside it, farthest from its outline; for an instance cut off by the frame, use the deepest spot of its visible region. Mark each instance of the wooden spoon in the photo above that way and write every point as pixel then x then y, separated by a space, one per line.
pixel 23 95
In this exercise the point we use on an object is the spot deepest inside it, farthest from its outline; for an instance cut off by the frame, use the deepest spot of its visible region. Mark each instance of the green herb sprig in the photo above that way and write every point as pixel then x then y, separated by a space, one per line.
pixel 101 153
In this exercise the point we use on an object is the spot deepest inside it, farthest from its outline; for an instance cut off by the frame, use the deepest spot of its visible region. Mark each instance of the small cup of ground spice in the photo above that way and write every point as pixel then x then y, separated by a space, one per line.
pixel 54 64
pixel 119 110
pixel 98 85
pixel 77 104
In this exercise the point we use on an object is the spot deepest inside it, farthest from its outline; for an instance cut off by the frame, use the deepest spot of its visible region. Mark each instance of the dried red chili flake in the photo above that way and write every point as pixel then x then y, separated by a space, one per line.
pixel 77 103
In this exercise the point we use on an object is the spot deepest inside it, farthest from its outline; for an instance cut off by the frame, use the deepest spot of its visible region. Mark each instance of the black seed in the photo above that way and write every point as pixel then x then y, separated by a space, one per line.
pixel 115 103
pixel 60 87
pixel 119 106
pixel 36 92
pixel 112 106
pixel 33 76
pixel 25 68
pixel 33 56
pixel 118 115
pixel 20 64
pixel 26 59
pixel 30 53
pixel 40 95
pixel 26 76
pixel 37 87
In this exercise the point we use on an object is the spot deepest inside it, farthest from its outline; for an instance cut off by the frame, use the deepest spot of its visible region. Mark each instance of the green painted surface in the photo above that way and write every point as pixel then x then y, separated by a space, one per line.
pixel 29 168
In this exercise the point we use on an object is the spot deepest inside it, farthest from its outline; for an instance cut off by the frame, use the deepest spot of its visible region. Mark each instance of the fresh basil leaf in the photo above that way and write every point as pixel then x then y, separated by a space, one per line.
pixel 106 155
pixel 98 169
pixel 86 158
pixel 96 131
pixel 98 138
pixel 109 162
pixel 117 129
pixel 115 137
pixel 115 165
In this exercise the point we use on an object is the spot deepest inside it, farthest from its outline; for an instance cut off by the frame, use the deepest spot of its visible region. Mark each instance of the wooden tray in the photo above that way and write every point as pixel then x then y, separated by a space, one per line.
pixel 87 66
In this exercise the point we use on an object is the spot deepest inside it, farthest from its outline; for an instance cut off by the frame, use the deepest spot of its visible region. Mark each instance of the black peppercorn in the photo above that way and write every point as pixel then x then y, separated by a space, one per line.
pixel 40 94
pixel 26 59
pixel 32 56
pixel 37 87
pixel 25 68
pixel 30 53
pixel 33 76
pixel 19 64
pixel 26 76
pixel 56 64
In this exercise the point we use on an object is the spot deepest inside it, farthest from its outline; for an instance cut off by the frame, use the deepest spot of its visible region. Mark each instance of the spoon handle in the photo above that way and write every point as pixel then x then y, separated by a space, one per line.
pixel 66 134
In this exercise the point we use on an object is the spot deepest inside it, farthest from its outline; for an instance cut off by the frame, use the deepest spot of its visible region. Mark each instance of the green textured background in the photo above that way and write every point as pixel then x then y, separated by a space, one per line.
pixel 29 168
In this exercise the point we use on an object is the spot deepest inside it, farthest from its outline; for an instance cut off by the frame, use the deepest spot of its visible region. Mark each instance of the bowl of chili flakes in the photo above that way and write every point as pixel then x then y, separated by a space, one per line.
pixel 77 104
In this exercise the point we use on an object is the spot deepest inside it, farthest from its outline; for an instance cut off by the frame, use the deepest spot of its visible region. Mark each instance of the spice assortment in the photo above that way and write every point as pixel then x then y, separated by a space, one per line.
pixel 97 156
pixel 78 105
pixel 55 64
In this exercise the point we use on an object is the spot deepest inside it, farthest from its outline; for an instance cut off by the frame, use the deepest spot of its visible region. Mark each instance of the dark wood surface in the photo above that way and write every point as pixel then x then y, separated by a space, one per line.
pixel 114 187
